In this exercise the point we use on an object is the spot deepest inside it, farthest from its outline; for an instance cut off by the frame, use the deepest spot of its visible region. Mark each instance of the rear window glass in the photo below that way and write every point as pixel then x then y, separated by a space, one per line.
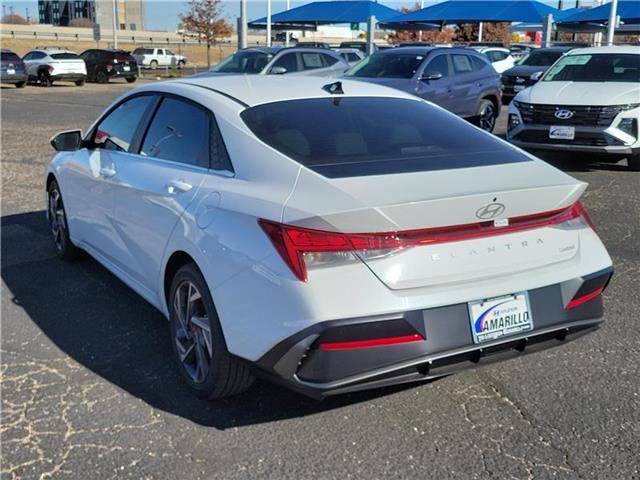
pixel 143 51
pixel 388 66
pixel 9 57
pixel 358 136
pixel 64 56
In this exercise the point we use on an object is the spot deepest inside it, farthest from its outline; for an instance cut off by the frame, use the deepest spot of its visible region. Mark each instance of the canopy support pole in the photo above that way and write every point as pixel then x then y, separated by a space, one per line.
pixel 286 33
pixel 242 27
pixel 371 29
pixel 547 28
pixel 268 23
pixel 480 32
pixel 613 20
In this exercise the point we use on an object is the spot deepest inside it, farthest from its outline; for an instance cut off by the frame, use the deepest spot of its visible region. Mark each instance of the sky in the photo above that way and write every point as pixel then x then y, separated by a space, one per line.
pixel 164 14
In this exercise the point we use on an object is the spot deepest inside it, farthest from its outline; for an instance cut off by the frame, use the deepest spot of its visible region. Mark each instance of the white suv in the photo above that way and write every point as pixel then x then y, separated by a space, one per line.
pixel 500 58
pixel 158 57
pixel 588 101
pixel 52 64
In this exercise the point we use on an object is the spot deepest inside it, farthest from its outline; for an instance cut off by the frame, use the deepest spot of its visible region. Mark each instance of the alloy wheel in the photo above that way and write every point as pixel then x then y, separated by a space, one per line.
pixel 56 218
pixel 192 331
pixel 488 118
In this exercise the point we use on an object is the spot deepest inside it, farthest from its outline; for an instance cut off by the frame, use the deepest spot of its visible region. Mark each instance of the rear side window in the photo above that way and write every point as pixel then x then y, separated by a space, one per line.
pixel 328 60
pixel 461 63
pixel 117 129
pixel 311 61
pixel 358 136
pixel 64 56
pixel 178 132
pixel 388 66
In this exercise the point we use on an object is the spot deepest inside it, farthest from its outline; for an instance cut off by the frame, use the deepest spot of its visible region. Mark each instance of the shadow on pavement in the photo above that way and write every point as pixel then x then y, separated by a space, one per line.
pixel 100 323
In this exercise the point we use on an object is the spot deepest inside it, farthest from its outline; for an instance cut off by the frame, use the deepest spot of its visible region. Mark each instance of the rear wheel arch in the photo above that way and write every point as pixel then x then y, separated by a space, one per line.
pixel 492 98
pixel 176 261
pixel 50 178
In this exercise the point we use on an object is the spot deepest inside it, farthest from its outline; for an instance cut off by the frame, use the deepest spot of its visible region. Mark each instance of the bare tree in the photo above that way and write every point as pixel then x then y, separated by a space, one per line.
pixel 441 36
pixel 14 19
pixel 204 20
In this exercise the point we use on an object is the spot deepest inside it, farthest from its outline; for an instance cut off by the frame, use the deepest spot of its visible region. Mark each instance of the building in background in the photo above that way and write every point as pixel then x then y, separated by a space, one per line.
pixel 62 12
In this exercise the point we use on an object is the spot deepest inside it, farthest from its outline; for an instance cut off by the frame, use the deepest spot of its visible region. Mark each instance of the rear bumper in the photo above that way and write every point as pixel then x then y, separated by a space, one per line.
pixel 448 346
pixel 15 78
pixel 68 77
pixel 133 73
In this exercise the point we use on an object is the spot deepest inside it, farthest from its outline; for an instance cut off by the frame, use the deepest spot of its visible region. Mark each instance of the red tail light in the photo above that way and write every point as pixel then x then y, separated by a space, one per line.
pixel 292 242
pixel 109 68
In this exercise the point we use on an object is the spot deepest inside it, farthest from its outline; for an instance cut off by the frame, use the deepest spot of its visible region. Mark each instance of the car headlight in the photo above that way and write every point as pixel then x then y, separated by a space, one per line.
pixel 514 121
pixel 629 126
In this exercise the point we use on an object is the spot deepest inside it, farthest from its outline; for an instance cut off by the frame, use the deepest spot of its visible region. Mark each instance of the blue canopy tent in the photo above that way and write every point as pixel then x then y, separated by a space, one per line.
pixel 628 11
pixel 327 13
pixel 474 11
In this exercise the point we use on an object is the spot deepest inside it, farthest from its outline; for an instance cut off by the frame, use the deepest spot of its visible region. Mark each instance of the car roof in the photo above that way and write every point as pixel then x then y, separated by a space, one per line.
pixel 615 49
pixel 49 51
pixel 253 90
pixel 553 49
pixel 486 49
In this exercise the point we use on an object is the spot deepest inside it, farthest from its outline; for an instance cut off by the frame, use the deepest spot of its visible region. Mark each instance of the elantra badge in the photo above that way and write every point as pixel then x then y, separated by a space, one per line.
pixel 490 211
pixel 563 114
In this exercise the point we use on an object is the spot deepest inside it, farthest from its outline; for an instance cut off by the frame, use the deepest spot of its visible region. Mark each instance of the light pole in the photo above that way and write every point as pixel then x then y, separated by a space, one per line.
pixel 243 24
pixel 268 23
pixel 286 33
pixel 115 24
pixel 613 17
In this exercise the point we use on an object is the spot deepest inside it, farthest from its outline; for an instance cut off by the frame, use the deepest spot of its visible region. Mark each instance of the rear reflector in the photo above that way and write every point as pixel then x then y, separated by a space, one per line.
pixel 292 242
pixel 377 342
pixel 584 298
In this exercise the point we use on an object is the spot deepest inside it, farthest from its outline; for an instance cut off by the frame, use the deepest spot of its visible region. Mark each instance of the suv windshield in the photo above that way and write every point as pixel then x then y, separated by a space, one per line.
pixel 387 65
pixel 358 136
pixel 243 62
pixel 541 59
pixel 600 67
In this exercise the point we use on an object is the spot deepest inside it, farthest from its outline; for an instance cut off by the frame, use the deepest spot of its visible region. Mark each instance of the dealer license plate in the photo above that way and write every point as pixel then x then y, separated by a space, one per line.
pixel 126 68
pixel 500 317
pixel 11 71
pixel 518 88
pixel 562 132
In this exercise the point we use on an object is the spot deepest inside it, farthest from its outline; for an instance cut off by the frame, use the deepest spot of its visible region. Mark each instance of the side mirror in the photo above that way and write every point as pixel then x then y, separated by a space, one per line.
pixel 67 141
pixel 278 70
pixel 536 76
pixel 431 76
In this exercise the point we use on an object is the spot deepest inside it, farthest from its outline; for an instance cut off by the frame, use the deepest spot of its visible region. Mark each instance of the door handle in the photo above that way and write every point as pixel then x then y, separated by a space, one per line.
pixel 107 172
pixel 478 84
pixel 178 186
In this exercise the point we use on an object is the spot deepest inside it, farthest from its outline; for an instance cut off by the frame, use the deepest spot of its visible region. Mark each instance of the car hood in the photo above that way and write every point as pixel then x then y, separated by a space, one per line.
pixel 524 70
pixel 582 93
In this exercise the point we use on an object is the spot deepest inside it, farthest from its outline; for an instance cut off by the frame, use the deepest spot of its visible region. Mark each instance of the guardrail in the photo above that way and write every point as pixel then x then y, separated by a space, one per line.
pixel 88 37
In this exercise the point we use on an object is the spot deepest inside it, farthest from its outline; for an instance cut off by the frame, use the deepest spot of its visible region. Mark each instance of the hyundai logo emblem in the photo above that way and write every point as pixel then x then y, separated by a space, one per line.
pixel 563 114
pixel 490 211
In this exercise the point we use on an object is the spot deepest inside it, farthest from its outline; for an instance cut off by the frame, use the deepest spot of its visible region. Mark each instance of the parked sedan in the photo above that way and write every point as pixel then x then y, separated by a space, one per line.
pixel 458 79
pixel 529 70
pixel 350 55
pixel 104 64
pixel 319 62
pixel 12 69
pixel 331 236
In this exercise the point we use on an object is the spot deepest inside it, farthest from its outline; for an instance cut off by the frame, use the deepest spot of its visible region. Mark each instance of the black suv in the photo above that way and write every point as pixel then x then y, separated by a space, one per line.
pixel 529 70
pixel 106 63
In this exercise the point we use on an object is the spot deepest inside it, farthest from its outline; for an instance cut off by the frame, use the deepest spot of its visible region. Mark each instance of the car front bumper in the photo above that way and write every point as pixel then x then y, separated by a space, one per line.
pixel 448 346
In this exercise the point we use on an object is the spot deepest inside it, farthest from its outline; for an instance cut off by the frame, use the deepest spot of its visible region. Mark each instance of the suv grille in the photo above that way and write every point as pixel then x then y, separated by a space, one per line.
pixel 582 116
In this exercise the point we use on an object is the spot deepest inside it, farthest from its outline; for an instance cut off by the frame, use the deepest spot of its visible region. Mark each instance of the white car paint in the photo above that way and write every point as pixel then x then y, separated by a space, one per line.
pixel 159 57
pixel 501 58
pixel 57 67
pixel 132 223
pixel 586 94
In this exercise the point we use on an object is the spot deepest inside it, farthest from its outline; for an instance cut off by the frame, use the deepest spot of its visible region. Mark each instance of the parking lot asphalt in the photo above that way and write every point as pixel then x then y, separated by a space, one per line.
pixel 89 389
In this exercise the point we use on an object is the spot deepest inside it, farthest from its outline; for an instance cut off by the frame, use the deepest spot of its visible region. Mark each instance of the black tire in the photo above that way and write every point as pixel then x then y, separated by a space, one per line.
pixel 101 76
pixel 20 84
pixel 633 162
pixel 487 115
pixel 57 218
pixel 153 65
pixel 79 83
pixel 204 362
pixel 181 64
pixel 44 79
pixel 130 79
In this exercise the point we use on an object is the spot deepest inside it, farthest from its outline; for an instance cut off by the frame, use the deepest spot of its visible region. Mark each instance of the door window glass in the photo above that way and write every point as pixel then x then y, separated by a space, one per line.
pixel 311 61
pixel 438 65
pixel 179 132
pixel 287 61
pixel 117 130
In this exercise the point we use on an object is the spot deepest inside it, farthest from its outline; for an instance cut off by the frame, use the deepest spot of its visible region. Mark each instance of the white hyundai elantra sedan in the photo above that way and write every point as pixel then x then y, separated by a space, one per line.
pixel 332 237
